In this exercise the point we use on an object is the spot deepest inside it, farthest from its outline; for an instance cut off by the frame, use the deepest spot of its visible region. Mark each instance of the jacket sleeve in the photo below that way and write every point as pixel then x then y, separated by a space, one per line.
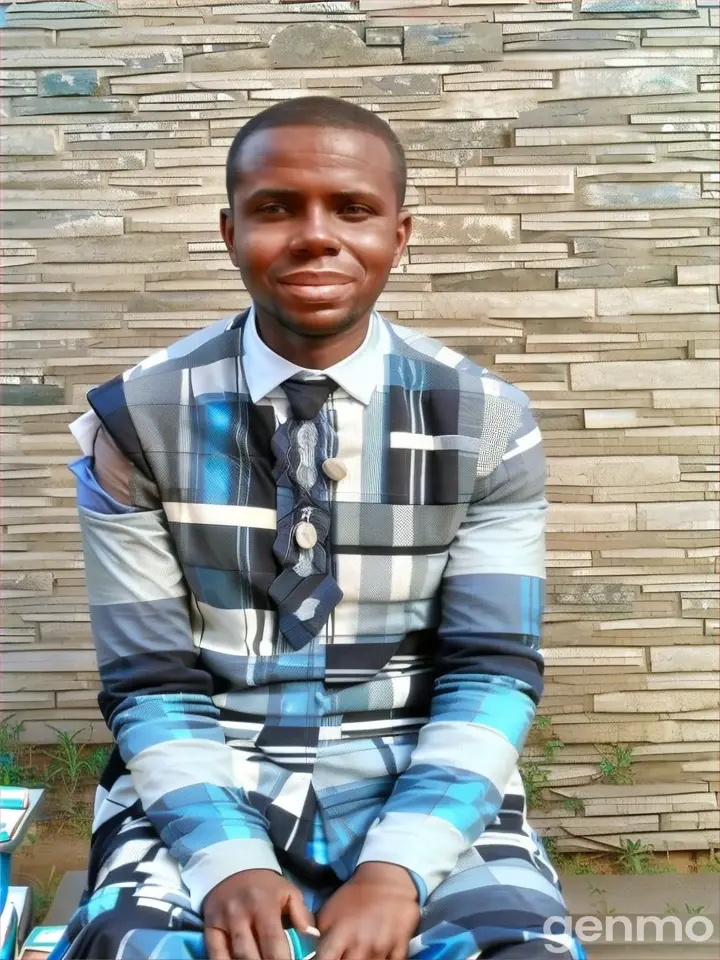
pixel 156 697
pixel 489 672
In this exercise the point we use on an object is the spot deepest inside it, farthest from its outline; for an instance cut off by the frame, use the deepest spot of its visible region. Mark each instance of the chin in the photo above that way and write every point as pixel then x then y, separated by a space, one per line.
pixel 320 321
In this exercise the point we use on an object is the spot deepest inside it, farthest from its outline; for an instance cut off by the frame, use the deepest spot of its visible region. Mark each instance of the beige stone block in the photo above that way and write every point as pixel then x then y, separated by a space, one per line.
pixel 591 517
pixel 691 398
pixel 630 82
pixel 690 658
pixel 586 656
pixel 684 515
pixel 701 274
pixel 612 471
pixel 596 826
pixel 632 731
pixel 644 374
pixel 674 701
pixel 464 229
pixel 667 840
pixel 29 142
pixel 705 820
pixel 684 681
pixel 633 302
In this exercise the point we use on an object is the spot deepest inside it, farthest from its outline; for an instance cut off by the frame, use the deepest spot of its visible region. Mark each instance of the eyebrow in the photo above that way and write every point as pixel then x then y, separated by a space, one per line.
pixel 282 193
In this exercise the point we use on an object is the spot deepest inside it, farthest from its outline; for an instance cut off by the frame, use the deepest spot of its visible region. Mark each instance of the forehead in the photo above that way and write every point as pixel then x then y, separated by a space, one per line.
pixel 302 157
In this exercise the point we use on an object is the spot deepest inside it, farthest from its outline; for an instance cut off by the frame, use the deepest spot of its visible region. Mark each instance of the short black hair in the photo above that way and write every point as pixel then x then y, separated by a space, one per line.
pixel 319 112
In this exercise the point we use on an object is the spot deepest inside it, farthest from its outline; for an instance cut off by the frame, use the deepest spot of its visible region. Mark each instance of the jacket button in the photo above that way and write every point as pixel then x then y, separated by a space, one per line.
pixel 306 535
pixel 334 469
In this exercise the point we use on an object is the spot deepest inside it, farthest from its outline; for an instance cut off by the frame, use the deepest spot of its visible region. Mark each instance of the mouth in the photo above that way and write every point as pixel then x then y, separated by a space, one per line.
pixel 316 287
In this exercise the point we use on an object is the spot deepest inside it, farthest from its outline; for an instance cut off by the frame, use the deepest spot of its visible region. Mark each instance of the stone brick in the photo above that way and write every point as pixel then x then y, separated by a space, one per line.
pixel 638 6
pixel 328 44
pixel 384 36
pixel 72 223
pixel 612 471
pixel 644 375
pixel 26 142
pixel 77 82
pixel 684 658
pixel 38 106
pixel 450 43
pixel 464 229
pixel 683 515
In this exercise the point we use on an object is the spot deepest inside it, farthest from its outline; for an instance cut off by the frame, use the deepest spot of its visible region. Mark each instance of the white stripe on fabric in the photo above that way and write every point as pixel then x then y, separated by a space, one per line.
pixel 522 444
pixel 448 357
pixel 241 632
pixel 169 766
pixel 259 518
pixel 207 868
pixel 485 752
pixel 294 793
pixel 423 441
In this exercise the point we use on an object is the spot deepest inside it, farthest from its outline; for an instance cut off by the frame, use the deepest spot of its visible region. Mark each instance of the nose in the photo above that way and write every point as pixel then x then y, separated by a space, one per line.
pixel 315 235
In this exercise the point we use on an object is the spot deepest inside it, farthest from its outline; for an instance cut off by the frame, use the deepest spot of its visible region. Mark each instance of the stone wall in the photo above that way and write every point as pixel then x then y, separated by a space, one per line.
pixel 564 179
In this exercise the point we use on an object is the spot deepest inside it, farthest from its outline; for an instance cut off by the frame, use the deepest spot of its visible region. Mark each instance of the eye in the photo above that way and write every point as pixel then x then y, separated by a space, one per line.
pixel 356 210
pixel 272 209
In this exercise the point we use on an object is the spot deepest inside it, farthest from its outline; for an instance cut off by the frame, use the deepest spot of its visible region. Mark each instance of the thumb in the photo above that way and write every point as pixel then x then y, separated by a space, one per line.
pixel 300 916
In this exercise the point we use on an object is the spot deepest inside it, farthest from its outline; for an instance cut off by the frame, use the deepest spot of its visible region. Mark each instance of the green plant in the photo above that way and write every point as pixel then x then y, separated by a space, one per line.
pixel 550 845
pixel 634 857
pixel 574 805
pixel 542 723
pixel 576 867
pixel 712 864
pixel 44 893
pixel 97 761
pixel 535 779
pixel 79 818
pixel 14 773
pixel 696 911
pixel 616 766
pixel 551 747
pixel 67 763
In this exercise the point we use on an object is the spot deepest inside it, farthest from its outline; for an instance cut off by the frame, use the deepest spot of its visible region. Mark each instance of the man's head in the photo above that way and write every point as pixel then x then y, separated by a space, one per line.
pixel 316 221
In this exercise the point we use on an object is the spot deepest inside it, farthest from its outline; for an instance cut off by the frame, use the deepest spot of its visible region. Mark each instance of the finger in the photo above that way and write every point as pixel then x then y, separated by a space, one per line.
pixel 399 952
pixel 331 947
pixel 216 942
pixel 244 946
pixel 300 916
pixel 271 937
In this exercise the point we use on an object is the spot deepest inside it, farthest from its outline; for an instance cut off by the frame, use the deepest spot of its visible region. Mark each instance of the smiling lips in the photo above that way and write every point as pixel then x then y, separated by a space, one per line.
pixel 316 286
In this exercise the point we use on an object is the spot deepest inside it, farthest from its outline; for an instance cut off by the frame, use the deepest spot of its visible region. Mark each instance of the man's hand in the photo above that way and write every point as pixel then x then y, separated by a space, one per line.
pixel 371 917
pixel 243 916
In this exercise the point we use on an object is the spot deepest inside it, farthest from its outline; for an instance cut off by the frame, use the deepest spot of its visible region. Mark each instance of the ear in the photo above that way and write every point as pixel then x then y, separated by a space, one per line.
pixel 402 236
pixel 227 231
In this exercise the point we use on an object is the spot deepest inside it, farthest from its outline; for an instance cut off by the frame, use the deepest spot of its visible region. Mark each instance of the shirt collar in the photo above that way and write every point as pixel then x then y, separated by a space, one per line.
pixel 358 374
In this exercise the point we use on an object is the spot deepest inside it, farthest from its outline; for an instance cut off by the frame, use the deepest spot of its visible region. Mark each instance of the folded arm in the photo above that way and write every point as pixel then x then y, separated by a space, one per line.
pixel 156 697
pixel 489 674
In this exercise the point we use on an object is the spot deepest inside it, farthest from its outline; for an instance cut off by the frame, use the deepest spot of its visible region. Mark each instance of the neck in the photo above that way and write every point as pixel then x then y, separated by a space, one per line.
pixel 311 353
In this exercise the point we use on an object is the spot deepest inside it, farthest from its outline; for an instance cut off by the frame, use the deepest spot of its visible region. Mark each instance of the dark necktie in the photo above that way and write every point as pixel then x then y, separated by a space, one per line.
pixel 305 591
pixel 307 394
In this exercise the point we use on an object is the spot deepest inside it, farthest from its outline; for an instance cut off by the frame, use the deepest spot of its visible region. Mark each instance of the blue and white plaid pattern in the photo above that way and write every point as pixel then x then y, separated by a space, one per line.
pixel 409 708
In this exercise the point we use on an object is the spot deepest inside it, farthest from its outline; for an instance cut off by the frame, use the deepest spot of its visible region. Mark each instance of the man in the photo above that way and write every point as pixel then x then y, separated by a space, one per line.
pixel 314 553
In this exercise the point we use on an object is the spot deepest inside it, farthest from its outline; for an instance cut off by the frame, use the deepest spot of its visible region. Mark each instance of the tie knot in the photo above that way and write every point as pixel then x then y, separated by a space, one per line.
pixel 307 393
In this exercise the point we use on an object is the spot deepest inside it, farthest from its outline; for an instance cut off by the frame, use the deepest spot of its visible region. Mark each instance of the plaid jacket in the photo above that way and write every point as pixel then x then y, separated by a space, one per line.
pixel 405 715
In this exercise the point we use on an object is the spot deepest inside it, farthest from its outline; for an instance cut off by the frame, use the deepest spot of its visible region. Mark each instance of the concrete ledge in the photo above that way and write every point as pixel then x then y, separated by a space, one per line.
pixel 693 898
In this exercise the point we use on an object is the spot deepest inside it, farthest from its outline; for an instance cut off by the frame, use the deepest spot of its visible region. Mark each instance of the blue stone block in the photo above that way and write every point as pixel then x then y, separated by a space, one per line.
pixel 73 82
pixel 647 7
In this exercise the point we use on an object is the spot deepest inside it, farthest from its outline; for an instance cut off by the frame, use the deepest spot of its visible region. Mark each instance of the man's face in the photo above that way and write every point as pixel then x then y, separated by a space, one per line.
pixel 315 226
